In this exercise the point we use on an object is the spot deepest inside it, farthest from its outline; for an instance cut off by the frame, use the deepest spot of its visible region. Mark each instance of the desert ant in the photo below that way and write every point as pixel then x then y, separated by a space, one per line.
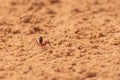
pixel 40 42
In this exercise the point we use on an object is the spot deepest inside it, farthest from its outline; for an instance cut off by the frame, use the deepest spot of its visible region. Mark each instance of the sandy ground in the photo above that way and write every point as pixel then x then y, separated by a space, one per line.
pixel 84 36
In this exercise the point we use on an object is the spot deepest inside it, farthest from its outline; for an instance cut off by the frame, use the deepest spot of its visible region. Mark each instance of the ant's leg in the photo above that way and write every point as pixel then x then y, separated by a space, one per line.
pixel 34 39
pixel 47 42
pixel 37 42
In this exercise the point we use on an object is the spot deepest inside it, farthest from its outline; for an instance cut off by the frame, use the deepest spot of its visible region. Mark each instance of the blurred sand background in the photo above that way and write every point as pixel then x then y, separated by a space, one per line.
pixel 84 35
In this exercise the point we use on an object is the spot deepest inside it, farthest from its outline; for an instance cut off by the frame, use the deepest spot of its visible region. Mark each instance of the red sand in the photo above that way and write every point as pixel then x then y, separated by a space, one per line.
pixel 84 35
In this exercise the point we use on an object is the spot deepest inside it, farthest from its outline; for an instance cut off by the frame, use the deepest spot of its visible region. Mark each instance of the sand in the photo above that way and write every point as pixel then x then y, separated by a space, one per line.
pixel 84 36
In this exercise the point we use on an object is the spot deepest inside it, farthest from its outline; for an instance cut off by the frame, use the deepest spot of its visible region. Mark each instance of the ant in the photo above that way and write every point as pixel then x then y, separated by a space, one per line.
pixel 40 42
